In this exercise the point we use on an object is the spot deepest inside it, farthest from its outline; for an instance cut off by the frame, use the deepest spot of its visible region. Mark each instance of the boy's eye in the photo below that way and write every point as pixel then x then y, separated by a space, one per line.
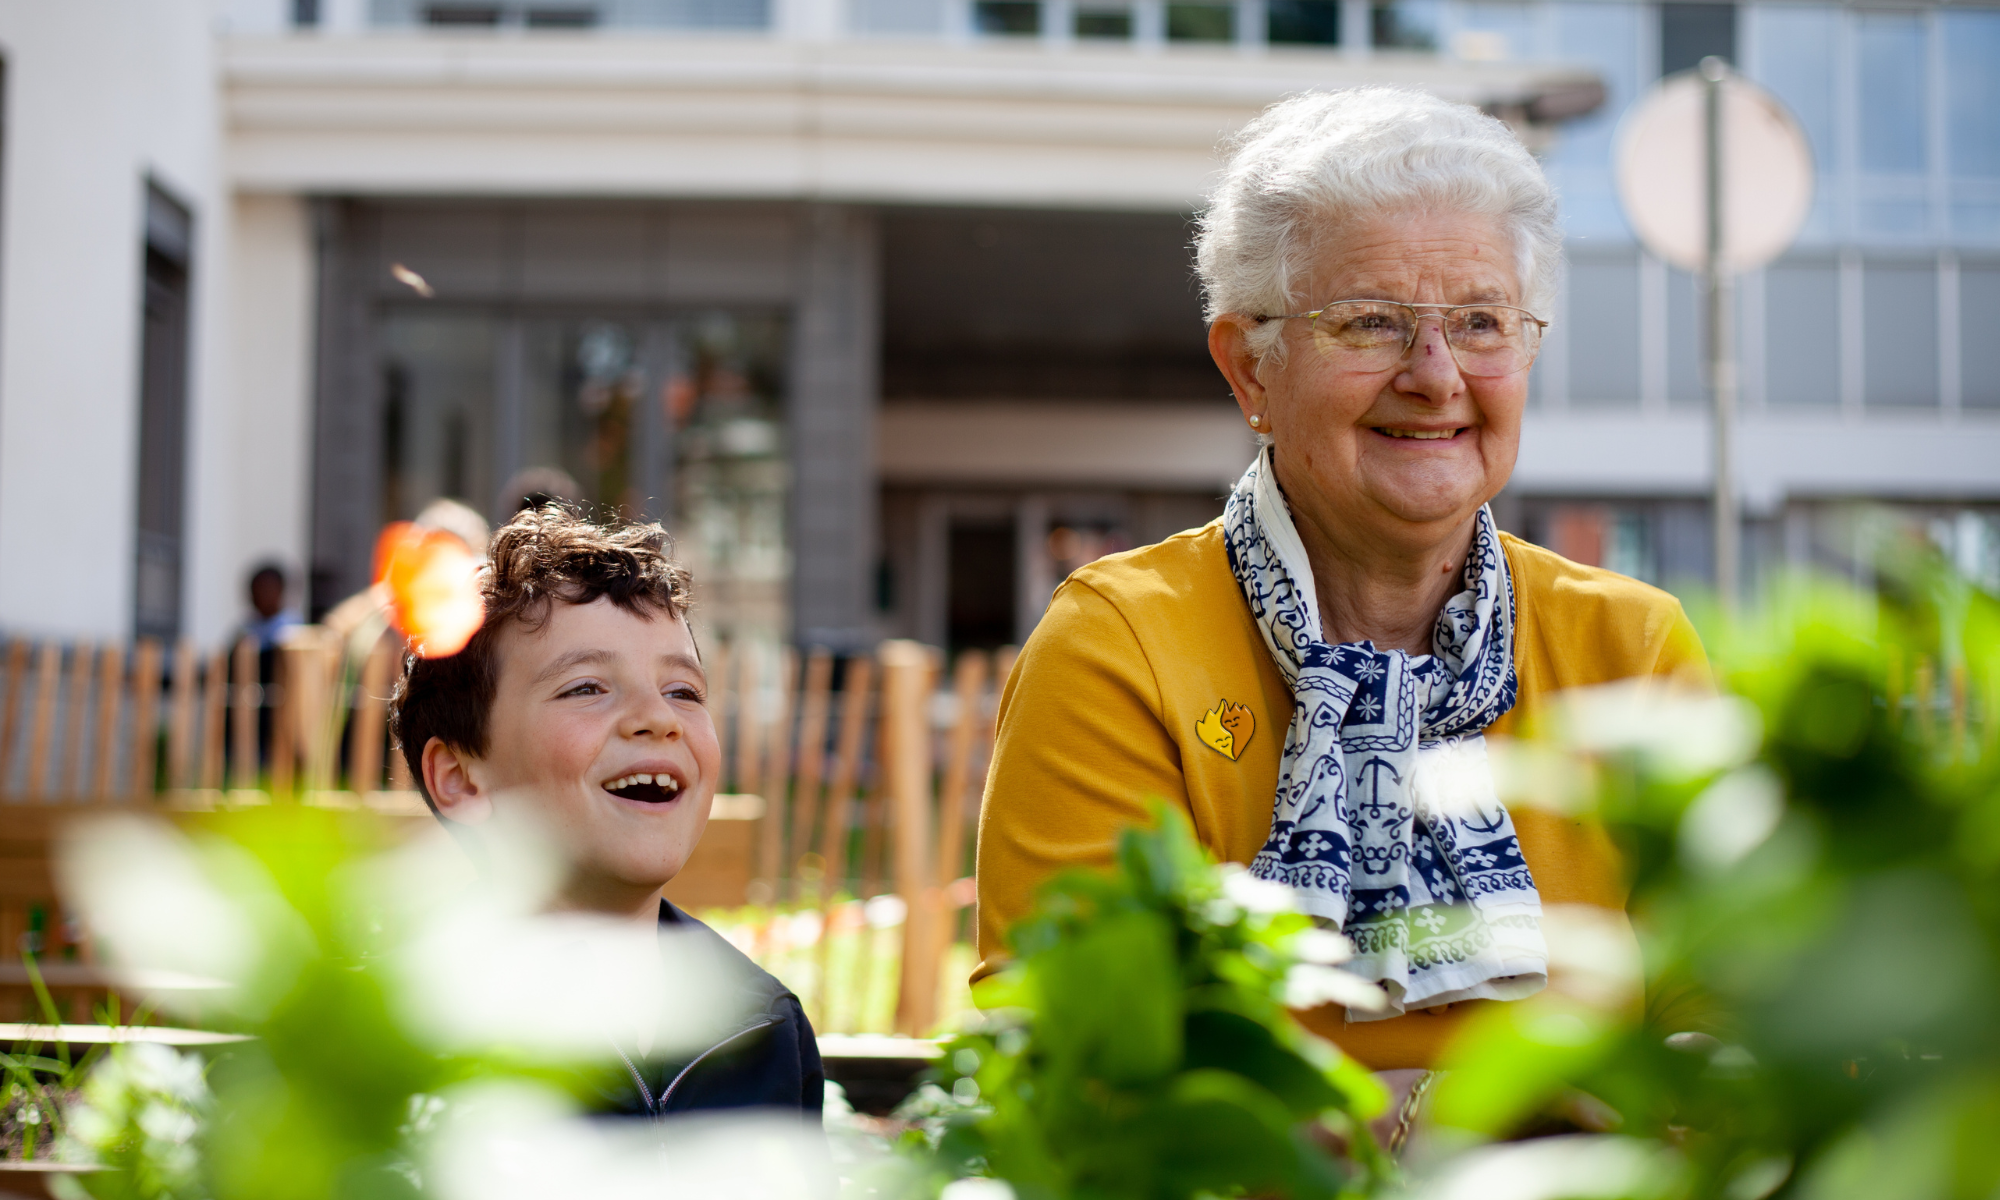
pixel 587 688
pixel 686 691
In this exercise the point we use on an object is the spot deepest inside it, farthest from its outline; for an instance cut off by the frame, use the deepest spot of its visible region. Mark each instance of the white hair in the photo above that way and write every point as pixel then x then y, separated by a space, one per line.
pixel 1315 161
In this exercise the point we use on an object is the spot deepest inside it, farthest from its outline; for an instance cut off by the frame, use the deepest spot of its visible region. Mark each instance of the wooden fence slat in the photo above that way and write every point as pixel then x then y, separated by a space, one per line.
pixel 73 769
pixel 48 680
pixel 721 687
pixel 968 683
pixel 839 803
pixel 214 715
pixel 245 696
pixel 309 686
pixel 906 782
pixel 811 760
pixel 10 718
pixel 837 811
pixel 180 717
pixel 776 777
pixel 145 732
pixel 371 717
pixel 281 758
pixel 110 703
pixel 749 720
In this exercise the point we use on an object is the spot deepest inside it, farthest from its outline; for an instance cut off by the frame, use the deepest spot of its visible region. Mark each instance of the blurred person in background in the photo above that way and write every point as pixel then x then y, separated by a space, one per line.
pixel 1309 678
pixel 532 487
pixel 268 617
pixel 267 625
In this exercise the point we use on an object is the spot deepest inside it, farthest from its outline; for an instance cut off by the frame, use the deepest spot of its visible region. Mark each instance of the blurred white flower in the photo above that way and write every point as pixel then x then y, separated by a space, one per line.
pixel 1677 732
pixel 1533 774
pixel 160 903
pixel 977 1189
pixel 565 984
pixel 1731 818
pixel 1557 1168
pixel 1593 954
pixel 1758 1180
pixel 1453 778
pixel 515 1142
pixel 1316 945
pixel 886 911
pixel 1309 985
pixel 1252 894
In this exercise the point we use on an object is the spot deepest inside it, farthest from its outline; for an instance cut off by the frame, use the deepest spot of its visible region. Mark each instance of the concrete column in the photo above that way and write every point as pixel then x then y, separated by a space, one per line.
pixel 1357 28
pixel 835 390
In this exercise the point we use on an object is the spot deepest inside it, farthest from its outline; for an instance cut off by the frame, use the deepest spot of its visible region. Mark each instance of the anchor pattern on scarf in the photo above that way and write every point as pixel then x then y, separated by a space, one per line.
pixel 1438 901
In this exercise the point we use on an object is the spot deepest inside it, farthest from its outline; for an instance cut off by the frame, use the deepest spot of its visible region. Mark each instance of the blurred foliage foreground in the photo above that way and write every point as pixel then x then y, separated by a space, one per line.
pixel 1809 1009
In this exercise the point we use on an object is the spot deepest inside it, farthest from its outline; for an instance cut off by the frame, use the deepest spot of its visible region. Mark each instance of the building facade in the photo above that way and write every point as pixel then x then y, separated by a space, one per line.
pixel 885 306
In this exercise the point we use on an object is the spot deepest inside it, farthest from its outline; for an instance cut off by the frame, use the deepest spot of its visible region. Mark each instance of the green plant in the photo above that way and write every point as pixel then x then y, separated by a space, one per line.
pixel 1816 884
pixel 38 1079
pixel 314 930
pixel 1140 1046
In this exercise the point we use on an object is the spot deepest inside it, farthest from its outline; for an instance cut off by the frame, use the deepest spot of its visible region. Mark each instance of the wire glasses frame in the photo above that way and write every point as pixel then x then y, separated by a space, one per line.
pixel 1486 340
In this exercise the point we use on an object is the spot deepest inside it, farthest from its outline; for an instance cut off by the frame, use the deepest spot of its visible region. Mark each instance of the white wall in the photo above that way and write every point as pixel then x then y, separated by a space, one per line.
pixel 101 94
pixel 249 456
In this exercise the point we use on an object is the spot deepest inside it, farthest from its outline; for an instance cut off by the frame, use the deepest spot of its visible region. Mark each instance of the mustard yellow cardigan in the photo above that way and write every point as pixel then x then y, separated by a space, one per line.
pixel 1100 718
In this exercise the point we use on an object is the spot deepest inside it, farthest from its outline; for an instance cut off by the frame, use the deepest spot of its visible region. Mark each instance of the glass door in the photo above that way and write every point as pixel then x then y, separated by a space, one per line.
pixel 636 416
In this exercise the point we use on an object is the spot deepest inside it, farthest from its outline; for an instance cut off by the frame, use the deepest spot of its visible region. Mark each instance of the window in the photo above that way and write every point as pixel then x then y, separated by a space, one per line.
pixel 1972 92
pixel 1303 22
pixel 436 425
pixel 1692 32
pixel 896 16
pixel 1201 22
pixel 163 366
pixel 1008 18
pixel 1495 30
pixel 1604 332
pixel 1802 334
pixel 1406 24
pixel 1889 63
pixel 1112 23
pixel 1979 323
pixel 1604 36
pixel 1899 343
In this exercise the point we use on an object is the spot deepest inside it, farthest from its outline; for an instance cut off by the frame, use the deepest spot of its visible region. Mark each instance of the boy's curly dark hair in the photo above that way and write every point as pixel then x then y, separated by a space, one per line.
pixel 543 556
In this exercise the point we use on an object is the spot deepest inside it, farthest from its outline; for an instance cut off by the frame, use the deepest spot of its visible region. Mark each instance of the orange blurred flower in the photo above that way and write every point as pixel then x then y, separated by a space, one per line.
pixel 430 581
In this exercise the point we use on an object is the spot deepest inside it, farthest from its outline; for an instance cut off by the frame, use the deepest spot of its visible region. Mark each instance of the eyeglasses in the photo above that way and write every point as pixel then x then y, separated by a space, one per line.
pixel 1375 335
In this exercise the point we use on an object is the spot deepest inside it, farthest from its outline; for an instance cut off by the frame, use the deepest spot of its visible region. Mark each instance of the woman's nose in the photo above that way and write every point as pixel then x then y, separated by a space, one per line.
pixel 1429 364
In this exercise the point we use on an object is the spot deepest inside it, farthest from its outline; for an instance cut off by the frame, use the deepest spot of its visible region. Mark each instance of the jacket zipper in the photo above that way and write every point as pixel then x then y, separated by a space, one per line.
pixel 645 1093
pixel 661 1108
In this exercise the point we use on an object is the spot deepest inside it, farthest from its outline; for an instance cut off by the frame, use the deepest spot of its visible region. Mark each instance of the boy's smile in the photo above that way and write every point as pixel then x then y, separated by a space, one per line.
pixel 600 733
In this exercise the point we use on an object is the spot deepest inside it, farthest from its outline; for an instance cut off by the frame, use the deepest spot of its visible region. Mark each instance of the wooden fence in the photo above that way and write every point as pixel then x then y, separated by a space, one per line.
pixel 847 780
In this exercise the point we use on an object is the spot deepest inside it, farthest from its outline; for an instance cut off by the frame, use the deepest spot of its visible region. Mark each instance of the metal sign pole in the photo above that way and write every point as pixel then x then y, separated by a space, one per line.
pixel 1721 351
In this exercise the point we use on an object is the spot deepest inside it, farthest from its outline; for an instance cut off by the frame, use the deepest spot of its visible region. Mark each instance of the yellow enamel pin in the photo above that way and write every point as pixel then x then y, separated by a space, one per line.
pixel 1227 729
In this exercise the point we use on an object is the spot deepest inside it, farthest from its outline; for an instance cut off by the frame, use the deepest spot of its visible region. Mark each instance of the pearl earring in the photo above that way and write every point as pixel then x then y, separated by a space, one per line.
pixel 1255 420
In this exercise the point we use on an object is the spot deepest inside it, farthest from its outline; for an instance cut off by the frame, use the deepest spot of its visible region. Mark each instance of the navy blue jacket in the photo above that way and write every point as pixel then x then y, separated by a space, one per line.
pixel 768 1059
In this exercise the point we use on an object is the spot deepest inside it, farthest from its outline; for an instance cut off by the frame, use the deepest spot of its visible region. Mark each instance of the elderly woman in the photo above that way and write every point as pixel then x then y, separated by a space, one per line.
pixel 1299 675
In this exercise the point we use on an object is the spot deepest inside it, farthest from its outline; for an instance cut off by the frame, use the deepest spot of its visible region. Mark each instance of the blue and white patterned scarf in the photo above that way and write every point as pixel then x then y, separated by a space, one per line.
pixel 1386 823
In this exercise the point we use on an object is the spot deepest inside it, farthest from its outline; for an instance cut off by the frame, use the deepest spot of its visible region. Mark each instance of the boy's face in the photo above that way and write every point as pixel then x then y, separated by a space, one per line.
pixel 585 709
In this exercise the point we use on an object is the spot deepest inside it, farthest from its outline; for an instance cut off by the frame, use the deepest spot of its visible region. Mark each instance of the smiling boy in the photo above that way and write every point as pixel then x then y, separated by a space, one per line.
pixel 581 706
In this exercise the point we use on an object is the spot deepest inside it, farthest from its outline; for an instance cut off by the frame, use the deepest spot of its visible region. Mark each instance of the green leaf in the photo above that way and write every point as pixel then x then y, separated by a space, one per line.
pixel 1111 999
pixel 1228 1041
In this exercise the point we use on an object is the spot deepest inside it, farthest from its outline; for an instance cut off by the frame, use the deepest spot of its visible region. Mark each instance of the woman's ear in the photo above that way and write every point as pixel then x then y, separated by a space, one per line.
pixel 1229 346
pixel 452 780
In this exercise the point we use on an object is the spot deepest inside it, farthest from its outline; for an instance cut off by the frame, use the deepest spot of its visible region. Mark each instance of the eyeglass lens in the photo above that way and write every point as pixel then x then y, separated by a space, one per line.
pixel 1485 341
